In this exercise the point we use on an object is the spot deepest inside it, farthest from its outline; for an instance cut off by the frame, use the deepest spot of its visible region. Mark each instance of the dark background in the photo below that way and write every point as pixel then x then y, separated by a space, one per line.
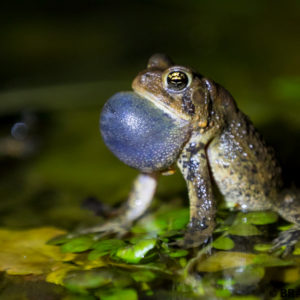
pixel 50 42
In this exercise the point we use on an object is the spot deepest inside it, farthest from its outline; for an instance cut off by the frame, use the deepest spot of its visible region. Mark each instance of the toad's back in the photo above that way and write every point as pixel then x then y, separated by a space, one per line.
pixel 243 167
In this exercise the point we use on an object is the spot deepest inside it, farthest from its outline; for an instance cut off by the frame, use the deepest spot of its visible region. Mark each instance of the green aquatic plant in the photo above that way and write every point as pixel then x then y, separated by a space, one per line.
pixel 109 268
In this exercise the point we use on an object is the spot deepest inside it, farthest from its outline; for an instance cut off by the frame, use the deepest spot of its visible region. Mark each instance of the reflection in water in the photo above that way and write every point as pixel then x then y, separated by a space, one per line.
pixel 19 130
pixel 20 139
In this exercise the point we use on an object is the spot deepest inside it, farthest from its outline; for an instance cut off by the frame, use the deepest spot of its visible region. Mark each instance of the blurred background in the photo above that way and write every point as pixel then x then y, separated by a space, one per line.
pixel 61 60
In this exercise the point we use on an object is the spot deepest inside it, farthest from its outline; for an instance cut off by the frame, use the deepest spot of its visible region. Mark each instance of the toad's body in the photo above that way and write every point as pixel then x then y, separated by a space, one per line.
pixel 221 145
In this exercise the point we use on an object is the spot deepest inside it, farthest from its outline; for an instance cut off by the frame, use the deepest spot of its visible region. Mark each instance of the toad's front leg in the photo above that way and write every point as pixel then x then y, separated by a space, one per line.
pixel 194 167
pixel 139 200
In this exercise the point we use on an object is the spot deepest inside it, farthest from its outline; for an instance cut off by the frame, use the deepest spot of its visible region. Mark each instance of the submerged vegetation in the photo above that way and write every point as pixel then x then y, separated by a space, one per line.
pixel 236 262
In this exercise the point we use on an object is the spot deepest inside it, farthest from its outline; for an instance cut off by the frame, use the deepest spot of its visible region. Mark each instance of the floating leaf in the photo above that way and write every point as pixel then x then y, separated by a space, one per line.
pixel 221 228
pixel 91 264
pixel 177 219
pixel 267 260
pixel 26 252
pixel 223 243
pixel 162 222
pixel 59 240
pixel 78 244
pixel 222 293
pixel 224 260
pixel 248 275
pixel 262 247
pixel 59 272
pixel 136 238
pixel 117 294
pixel 81 281
pixel 78 297
pixel 243 229
pixel 143 276
pixel 108 245
pixel 182 262
pixel 297 249
pixel 285 227
pixel 250 297
pixel 149 224
pixel 95 254
pixel 261 217
pixel 179 253
pixel 226 282
pixel 135 253
pixel 105 247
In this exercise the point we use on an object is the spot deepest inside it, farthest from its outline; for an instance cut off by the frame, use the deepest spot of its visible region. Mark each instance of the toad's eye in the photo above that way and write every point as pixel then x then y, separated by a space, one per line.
pixel 177 80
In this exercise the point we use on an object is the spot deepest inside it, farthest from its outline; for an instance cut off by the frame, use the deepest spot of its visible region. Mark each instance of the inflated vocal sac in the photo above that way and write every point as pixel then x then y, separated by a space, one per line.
pixel 141 134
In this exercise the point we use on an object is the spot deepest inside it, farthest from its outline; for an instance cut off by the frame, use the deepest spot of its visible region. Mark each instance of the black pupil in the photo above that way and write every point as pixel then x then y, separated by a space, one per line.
pixel 177 80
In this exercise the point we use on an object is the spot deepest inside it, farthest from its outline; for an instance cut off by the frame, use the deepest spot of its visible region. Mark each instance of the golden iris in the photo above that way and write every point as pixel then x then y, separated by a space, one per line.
pixel 177 80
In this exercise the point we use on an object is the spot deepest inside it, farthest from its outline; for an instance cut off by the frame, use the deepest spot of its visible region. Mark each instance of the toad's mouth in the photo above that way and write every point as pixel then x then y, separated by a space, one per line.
pixel 158 102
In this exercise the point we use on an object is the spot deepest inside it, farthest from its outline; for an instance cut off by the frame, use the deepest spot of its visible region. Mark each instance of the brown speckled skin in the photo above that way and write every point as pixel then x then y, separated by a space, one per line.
pixel 223 146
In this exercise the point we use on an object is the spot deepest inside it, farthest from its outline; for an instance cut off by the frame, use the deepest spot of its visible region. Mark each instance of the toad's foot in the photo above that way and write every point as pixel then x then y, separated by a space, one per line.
pixel 113 227
pixel 288 239
pixel 191 239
